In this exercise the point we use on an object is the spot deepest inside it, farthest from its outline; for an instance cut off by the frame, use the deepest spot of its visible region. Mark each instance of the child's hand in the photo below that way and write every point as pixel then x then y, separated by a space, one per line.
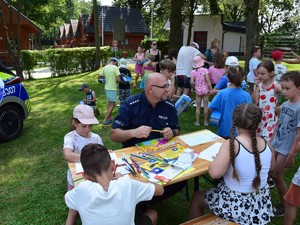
pixel 289 161
pixel 117 175
pixel 257 81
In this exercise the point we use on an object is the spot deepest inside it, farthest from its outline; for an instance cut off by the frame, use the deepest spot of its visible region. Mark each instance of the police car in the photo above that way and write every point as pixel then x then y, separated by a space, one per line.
pixel 14 105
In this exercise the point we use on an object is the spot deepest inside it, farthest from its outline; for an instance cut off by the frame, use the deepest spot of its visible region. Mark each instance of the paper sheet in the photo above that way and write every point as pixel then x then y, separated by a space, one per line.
pixel 199 138
pixel 78 168
pixel 210 152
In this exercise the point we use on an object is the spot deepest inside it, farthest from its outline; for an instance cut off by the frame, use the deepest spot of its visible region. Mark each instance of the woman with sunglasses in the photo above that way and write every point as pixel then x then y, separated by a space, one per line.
pixel 156 53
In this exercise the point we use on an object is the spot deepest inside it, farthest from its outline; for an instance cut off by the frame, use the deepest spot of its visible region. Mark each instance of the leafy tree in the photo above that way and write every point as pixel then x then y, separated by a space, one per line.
pixel 272 13
pixel 233 10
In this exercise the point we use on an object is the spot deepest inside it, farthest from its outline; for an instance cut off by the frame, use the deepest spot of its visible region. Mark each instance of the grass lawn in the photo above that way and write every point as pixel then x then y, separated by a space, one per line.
pixel 33 171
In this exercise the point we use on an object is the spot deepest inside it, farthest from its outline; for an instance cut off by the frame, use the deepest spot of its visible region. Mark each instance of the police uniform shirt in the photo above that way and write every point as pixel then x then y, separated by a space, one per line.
pixel 138 111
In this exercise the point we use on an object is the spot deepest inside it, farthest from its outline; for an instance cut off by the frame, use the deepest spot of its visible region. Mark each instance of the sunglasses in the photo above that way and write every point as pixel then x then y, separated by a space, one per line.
pixel 154 43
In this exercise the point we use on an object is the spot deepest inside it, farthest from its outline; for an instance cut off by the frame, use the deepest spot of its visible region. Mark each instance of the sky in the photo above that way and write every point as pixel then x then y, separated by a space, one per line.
pixel 103 2
pixel 106 2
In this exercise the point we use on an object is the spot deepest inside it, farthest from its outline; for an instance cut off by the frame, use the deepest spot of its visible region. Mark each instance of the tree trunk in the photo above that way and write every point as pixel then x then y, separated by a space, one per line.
pixel 193 4
pixel 18 59
pixel 175 38
pixel 252 28
pixel 214 7
pixel 97 39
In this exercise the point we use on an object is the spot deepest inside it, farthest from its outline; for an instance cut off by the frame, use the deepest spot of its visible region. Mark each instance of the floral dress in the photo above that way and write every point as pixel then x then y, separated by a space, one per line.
pixel 201 85
pixel 267 102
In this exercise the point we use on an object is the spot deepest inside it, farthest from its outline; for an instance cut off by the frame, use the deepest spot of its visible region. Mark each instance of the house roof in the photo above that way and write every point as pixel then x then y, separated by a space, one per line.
pixel 26 19
pixel 86 24
pixel 74 25
pixel 133 19
pixel 235 27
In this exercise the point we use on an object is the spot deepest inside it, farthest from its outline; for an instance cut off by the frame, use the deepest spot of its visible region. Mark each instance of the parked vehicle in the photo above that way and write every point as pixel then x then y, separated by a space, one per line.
pixel 14 105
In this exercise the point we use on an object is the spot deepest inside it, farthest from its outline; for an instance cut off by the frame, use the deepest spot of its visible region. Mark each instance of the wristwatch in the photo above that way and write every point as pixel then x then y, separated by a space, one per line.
pixel 174 133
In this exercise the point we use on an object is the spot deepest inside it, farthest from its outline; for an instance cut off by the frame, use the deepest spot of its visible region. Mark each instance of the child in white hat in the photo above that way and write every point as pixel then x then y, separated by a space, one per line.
pixel 82 121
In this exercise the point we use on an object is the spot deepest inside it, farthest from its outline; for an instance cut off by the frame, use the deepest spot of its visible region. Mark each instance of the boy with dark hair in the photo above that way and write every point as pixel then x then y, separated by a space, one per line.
pixel 287 135
pixel 112 77
pixel 103 197
pixel 168 68
pixel 90 98
pixel 253 63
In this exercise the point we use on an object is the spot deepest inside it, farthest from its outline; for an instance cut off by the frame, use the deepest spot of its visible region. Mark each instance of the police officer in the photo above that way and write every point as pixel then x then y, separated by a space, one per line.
pixel 145 112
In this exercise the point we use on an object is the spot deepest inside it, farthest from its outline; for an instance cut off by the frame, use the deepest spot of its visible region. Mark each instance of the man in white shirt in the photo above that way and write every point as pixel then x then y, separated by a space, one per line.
pixel 184 67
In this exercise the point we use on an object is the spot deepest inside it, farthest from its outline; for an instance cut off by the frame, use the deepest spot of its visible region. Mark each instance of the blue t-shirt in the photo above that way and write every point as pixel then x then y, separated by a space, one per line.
pixel 137 111
pixel 289 123
pixel 222 84
pixel 225 102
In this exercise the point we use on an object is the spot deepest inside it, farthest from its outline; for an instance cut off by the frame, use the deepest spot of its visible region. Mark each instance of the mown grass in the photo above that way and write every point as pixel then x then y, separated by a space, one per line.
pixel 32 168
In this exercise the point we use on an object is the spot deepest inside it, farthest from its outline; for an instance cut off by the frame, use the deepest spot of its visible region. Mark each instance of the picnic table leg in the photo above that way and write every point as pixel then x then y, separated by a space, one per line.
pixel 196 183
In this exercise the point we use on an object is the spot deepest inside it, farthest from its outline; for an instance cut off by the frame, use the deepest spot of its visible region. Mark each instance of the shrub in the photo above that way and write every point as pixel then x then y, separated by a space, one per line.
pixel 65 60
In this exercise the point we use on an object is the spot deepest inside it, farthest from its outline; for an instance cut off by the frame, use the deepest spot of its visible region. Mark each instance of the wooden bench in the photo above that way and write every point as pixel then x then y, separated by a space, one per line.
pixel 208 219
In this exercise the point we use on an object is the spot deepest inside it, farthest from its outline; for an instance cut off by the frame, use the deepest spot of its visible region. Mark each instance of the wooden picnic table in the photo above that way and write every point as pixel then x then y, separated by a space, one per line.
pixel 200 165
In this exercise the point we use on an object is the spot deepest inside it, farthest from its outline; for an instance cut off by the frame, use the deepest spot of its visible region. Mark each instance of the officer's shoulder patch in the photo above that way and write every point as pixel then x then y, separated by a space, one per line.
pixel 169 103
pixel 133 102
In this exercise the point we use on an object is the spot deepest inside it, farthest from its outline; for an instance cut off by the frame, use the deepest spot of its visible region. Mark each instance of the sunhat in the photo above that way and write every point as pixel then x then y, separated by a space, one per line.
pixel 232 61
pixel 198 62
pixel 85 114
pixel 123 63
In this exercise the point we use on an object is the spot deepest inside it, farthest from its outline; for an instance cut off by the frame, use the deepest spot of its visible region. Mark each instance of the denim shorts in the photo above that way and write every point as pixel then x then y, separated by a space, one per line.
pixel 187 82
pixel 180 80
pixel 111 95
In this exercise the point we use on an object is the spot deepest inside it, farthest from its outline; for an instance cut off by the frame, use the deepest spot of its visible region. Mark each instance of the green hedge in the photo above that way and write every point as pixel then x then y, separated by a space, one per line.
pixel 65 60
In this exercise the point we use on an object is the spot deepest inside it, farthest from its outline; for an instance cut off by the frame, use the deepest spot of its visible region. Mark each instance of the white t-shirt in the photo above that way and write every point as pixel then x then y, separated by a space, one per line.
pixel 253 63
pixel 279 70
pixel 184 65
pixel 76 142
pixel 116 206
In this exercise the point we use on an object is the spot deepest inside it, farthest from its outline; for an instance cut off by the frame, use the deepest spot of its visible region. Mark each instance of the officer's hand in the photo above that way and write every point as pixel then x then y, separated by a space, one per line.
pixel 142 132
pixel 167 133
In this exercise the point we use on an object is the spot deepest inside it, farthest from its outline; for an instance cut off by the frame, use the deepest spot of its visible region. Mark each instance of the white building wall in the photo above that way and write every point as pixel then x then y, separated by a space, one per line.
pixel 211 24
pixel 234 42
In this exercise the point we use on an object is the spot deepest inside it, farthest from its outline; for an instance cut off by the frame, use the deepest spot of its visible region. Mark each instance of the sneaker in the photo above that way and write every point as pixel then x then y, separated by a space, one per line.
pixel 197 124
pixel 206 124
pixel 271 183
pixel 193 103
pixel 279 210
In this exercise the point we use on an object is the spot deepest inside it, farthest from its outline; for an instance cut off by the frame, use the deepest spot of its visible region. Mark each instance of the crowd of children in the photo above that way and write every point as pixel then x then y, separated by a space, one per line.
pixel 252 119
